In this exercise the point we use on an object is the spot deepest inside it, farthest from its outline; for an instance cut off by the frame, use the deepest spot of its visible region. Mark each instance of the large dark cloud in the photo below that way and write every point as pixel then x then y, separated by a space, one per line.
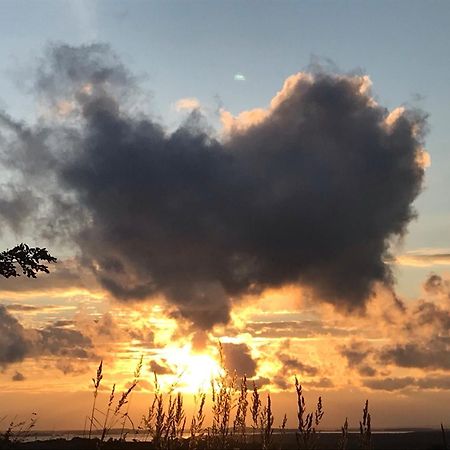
pixel 312 194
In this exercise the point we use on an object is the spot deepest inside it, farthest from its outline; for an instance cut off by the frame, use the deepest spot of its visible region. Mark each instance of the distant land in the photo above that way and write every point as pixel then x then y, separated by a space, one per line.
pixel 400 439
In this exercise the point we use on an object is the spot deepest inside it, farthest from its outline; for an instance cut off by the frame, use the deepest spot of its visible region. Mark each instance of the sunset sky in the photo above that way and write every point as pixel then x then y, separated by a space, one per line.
pixel 270 175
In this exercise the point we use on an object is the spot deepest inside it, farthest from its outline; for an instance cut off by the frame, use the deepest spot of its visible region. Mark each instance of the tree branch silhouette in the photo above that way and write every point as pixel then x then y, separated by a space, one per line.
pixel 29 259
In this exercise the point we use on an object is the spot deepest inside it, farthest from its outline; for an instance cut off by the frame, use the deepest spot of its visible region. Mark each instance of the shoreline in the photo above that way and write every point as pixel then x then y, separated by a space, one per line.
pixel 327 440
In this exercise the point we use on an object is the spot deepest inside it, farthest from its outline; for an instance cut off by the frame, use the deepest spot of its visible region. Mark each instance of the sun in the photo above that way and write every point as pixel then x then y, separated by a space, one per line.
pixel 193 371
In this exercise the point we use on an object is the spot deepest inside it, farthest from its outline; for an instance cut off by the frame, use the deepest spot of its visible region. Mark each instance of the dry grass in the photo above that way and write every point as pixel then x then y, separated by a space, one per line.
pixel 97 380
pixel 240 419
pixel 266 425
pixel 17 431
pixel 164 424
pixel 307 438
pixel 197 432
pixel 365 431
pixel 444 437
pixel 239 424
pixel 343 441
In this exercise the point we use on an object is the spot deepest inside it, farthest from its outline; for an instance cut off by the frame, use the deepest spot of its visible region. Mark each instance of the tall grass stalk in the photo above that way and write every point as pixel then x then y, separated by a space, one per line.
pixel 282 432
pixel 365 431
pixel 108 411
pixel 444 437
pixel 306 435
pixel 239 424
pixel 97 380
pixel 223 389
pixel 343 440
pixel 255 410
pixel 120 404
pixel 159 421
pixel 266 425
pixel 137 375
pixel 198 417
pixel 154 420
pixel 180 417
pixel 17 431
pixel 148 419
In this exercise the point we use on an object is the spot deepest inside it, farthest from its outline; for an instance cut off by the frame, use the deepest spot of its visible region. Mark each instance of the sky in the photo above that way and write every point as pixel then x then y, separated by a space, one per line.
pixel 270 175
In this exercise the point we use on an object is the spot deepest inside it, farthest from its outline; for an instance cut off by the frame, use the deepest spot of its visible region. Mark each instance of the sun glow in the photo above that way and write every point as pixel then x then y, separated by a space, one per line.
pixel 193 371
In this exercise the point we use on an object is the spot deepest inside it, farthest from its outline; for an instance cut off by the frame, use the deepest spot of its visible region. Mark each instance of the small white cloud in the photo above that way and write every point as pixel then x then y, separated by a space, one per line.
pixel 187 104
pixel 239 77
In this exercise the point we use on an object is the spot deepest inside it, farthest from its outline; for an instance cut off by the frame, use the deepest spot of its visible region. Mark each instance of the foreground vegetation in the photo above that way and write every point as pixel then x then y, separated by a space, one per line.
pixel 241 419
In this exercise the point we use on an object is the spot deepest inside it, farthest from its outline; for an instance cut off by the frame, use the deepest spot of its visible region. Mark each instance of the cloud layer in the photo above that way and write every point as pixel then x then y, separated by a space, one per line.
pixel 309 193
pixel 18 342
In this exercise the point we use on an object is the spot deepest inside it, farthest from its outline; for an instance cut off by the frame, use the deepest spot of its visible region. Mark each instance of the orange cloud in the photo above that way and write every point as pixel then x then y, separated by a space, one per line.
pixel 187 104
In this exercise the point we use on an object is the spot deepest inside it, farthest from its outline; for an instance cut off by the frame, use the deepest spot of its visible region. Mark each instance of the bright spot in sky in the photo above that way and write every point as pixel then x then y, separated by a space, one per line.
pixel 239 77
pixel 194 371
